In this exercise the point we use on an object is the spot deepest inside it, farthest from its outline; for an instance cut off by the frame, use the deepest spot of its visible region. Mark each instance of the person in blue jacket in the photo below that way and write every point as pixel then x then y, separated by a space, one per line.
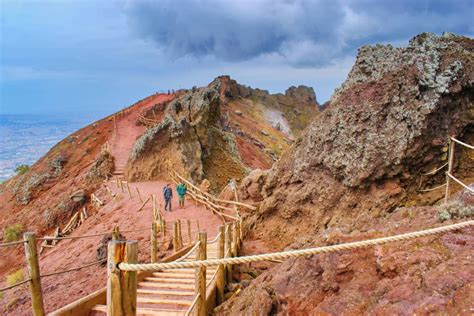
pixel 168 195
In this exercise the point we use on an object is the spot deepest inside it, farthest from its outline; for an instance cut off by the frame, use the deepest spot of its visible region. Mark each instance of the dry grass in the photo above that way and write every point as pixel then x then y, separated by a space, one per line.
pixel 12 232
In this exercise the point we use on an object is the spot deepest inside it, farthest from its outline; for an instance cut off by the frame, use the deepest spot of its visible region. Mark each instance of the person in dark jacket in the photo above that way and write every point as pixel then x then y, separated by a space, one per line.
pixel 181 189
pixel 168 195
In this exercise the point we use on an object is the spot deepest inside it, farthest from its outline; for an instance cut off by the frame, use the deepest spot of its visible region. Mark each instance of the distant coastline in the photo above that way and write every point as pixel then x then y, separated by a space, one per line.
pixel 24 138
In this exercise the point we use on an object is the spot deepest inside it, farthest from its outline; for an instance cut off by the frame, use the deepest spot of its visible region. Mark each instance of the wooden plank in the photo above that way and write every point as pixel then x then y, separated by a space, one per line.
pixel 149 300
pixel 143 311
pixel 158 292
pixel 174 275
pixel 166 286
pixel 170 280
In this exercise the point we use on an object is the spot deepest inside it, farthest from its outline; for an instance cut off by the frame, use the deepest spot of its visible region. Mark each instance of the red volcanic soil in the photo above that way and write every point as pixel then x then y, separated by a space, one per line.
pixel 121 211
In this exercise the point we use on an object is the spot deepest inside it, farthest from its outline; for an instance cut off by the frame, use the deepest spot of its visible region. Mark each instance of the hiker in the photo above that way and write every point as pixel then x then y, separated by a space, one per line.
pixel 181 189
pixel 168 195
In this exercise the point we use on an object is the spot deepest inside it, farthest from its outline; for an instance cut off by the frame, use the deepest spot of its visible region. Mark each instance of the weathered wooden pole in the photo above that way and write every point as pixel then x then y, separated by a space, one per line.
pixel 180 235
pixel 200 283
pixel 34 274
pixel 175 236
pixel 190 237
pixel 121 186
pixel 116 233
pixel 139 195
pixel 163 227
pixel 128 189
pixel 220 282
pixel 228 250
pixel 450 168
pixel 234 239
pixel 154 247
pixel 237 237
pixel 121 285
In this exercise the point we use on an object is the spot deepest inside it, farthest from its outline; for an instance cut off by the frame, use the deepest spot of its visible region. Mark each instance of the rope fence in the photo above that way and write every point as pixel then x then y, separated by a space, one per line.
pixel 14 285
pixel 13 243
pixel 73 269
pixel 293 253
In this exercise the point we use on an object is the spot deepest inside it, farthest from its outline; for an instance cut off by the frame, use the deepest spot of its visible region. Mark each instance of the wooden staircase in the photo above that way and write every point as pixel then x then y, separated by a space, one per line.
pixel 169 292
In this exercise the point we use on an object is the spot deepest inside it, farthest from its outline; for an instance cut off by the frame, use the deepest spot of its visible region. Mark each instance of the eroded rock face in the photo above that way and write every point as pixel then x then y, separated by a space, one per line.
pixel 188 136
pixel 357 163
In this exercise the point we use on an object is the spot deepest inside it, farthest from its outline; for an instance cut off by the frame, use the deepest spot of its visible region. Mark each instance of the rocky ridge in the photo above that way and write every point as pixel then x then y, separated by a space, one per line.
pixel 354 174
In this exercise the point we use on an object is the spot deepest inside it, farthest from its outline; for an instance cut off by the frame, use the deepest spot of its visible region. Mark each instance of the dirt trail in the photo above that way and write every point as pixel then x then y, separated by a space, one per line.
pixel 121 211
pixel 127 131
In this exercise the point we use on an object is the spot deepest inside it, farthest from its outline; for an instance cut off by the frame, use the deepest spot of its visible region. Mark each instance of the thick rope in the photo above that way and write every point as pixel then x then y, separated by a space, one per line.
pixel 214 240
pixel 14 285
pixel 459 181
pixel 434 171
pixel 293 253
pixel 72 269
pixel 190 251
pixel 432 189
pixel 13 243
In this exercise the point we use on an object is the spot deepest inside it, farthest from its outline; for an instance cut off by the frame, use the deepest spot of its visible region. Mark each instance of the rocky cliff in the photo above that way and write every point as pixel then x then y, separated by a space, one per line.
pixel 355 174
pixel 224 124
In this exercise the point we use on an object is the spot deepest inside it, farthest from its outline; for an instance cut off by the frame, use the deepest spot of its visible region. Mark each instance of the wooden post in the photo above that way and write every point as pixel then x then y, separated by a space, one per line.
pixel 128 189
pixel 116 233
pixel 121 285
pixel 180 235
pixel 450 168
pixel 154 247
pixel 34 274
pixel 190 237
pixel 197 221
pixel 200 283
pixel 121 185
pixel 237 237
pixel 234 240
pixel 220 278
pixel 139 195
pixel 228 251
pixel 175 236
pixel 163 225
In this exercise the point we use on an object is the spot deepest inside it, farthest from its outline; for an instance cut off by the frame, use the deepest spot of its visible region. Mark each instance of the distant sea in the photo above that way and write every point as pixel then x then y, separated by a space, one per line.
pixel 25 138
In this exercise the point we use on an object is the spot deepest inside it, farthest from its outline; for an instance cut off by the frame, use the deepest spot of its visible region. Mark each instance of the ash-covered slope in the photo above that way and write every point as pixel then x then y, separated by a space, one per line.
pixel 351 174
pixel 220 132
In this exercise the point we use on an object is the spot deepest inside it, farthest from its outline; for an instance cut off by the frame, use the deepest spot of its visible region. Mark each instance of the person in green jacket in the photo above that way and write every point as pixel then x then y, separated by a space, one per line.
pixel 181 189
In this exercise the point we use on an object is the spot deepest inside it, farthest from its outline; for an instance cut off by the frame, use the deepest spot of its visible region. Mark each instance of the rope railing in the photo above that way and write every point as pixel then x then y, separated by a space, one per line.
pixel 13 243
pixel 435 171
pixel 294 253
pixel 72 269
pixel 460 183
pixel 14 285
pixel 193 305
pixel 432 189
pixel 462 143
pixel 190 252
pixel 214 240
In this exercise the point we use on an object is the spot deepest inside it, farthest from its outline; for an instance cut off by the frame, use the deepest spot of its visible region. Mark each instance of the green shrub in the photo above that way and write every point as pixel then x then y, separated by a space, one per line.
pixel 454 209
pixel 15 277
pixel 12 232
pixel 22 169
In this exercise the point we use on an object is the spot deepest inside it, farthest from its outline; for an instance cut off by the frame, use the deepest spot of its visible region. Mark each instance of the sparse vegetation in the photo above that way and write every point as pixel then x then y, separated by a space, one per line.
pixel 12 232
pixel 454 209
pixel 15 277
pixel 22 169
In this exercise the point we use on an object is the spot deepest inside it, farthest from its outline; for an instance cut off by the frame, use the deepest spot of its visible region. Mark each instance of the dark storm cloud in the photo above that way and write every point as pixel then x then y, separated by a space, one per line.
pixel 299 32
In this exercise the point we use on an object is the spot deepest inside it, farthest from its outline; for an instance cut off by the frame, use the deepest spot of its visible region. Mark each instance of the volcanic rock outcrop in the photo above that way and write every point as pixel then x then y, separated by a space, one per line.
pixel 220 132
pixel 354 174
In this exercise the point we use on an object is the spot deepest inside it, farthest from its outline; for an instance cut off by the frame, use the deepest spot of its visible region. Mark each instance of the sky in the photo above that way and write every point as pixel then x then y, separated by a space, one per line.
pixel 88 57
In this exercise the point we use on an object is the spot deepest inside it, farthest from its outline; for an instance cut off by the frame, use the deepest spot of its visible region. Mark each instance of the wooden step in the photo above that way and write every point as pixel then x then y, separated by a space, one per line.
pixel 159 292
pixel 171 280
pixel 149 300
pixel 174 275
pixel 144 311
pixel 167 285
